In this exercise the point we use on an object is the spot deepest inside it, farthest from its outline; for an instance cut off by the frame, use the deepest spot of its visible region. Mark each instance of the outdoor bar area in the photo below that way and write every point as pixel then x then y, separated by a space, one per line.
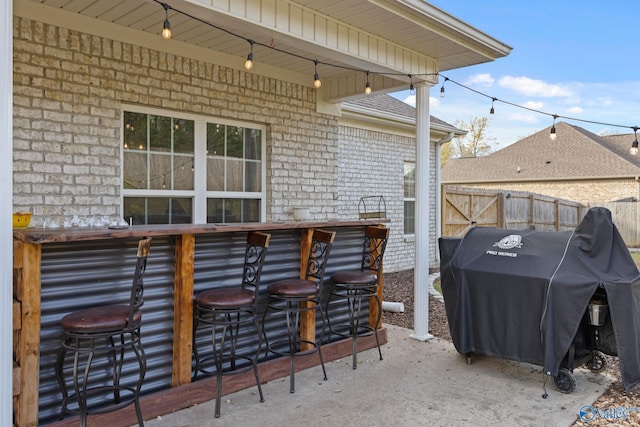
pixel 59 271
pixel 196 124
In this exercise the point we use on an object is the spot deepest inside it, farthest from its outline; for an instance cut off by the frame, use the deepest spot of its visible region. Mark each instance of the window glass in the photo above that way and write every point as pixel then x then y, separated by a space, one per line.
pixel 158 210
pixel 233 210
pixel 162 184
pixel 409 197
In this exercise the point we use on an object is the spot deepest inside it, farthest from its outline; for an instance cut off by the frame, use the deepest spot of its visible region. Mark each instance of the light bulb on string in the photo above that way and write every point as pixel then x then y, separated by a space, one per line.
pixel 492 111
pixel 316 77
pixel 412 88
pixel 367 86
pixel 442 87
pixel 248 64
pixel 552 134
pixel 166 28
pixel 634 146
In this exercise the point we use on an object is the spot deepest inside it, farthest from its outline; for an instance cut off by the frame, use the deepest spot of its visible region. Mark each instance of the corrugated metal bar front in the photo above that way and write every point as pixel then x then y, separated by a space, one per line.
pixel 78 275
pixel 81 275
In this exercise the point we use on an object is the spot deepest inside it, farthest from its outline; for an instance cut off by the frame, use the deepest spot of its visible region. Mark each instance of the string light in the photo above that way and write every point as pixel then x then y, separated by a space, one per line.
pixel 248 64
pixel 316 78
pixel 412 88
pixel 367 86
pixel 166 28
pixel 368 89
pixel 634 146
pixel 442 88
pixel 492 109
pixel 552 134
pixel 555 116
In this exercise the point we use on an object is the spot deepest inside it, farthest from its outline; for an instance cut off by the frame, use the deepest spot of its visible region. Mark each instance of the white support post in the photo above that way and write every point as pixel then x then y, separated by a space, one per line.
pixel 423 219
pixel 6 203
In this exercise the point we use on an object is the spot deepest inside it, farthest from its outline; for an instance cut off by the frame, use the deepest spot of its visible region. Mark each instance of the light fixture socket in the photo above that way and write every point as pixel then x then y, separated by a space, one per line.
pixel 316 77
pixel 166 29
pixel 248 64
pixel 552 134
pixel 634 145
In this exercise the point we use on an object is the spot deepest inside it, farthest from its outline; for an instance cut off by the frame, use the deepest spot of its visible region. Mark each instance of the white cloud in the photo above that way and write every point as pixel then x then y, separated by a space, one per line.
pixel 411 100
pixel 532 87
pixel 575 110
pixel 604 102
pixel 536 105
pixel 524 117
pixel 484 80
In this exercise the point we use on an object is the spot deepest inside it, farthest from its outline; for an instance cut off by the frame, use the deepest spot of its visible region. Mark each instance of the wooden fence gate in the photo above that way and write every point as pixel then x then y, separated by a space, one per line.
pixel 464 208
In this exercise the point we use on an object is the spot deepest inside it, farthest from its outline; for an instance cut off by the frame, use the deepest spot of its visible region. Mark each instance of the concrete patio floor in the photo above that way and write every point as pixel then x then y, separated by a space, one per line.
pixel 417 383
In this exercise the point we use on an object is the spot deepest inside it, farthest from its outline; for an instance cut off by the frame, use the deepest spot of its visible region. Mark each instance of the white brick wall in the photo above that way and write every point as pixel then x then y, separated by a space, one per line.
pixel 371 163
pixel 68 92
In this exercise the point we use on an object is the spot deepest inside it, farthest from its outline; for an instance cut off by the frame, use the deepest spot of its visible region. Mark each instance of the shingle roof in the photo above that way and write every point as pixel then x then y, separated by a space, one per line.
pixel 388 104
pixel 576 153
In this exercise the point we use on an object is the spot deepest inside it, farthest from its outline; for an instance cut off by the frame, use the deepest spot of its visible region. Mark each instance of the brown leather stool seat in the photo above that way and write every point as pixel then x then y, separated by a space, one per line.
pixel 106 318
pixel 295 296
pixel 104 330
pixel 229 308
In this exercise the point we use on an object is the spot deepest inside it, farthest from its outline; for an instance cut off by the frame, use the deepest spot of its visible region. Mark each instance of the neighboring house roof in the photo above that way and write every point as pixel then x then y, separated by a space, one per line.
pixel 392 109
pixel 575 154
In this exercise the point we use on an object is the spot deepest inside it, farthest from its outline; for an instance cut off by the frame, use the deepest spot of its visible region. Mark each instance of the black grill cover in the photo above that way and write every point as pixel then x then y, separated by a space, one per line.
pixel 521 294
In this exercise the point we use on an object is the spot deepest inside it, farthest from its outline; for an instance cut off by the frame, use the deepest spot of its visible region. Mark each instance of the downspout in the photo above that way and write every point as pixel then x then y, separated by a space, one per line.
pixel 439 143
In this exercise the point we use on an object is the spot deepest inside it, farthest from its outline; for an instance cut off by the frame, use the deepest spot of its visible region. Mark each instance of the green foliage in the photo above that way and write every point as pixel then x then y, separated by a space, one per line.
pixel 476 142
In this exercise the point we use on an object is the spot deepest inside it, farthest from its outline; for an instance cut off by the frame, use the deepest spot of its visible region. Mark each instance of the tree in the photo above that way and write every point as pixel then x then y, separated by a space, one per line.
pixel 475 143
pixel 446 152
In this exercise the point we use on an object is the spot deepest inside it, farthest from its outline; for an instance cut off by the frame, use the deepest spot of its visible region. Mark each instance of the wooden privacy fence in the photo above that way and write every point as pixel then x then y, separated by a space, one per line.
pixel 464 208
pixel 626 217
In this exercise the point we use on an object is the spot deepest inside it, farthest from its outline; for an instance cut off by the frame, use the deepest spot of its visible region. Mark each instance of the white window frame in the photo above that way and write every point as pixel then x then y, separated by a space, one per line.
pixel 407 199
pixel 199 194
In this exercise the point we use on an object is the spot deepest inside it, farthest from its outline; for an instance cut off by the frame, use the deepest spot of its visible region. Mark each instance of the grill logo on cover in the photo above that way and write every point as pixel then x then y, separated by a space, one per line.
pixel 510 242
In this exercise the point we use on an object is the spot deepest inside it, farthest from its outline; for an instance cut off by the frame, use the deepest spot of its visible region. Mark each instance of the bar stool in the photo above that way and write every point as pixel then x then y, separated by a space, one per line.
pixel 354 287
pixel 109 329
pixel 296 296
pixel 229 308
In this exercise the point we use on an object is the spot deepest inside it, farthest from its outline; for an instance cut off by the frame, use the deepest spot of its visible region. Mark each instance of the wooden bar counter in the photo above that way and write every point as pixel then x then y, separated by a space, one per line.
pixel 60 270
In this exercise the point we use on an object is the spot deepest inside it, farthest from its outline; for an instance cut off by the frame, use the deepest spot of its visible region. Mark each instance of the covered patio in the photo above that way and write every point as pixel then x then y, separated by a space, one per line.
pixel 417 383
pixel 70 66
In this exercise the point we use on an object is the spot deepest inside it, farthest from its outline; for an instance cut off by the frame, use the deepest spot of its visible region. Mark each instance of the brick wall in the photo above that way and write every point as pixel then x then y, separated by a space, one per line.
pixel 69 89
pixel 371 163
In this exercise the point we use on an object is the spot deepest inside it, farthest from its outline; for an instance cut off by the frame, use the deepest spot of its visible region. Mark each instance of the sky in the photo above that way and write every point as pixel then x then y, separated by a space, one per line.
pixel 578 59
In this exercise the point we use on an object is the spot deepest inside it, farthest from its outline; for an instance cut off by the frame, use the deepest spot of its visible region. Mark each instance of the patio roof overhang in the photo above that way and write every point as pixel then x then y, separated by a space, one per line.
pixel 390 38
